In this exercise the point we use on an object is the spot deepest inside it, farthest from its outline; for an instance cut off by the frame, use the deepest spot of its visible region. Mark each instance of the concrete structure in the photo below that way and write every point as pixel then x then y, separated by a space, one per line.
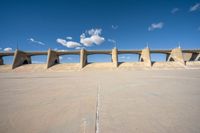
pixel 175 55
pixel 53 58
pixel 145 57
pixel 161 101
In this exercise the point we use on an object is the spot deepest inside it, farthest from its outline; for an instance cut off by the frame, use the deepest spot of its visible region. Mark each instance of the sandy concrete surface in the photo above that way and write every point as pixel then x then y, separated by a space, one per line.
pixel 137 101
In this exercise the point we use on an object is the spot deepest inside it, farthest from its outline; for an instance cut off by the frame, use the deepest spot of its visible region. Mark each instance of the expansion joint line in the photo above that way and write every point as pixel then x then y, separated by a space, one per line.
pixel 97 110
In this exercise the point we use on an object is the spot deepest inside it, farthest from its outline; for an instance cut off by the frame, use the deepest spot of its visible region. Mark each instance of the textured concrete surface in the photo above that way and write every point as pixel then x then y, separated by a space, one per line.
pixel 137 101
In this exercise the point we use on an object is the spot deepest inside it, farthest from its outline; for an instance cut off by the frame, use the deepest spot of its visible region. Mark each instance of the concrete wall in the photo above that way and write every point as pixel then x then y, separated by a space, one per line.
pixel 176 55
pixel 52 58
pixel 20 58
pixel 1 60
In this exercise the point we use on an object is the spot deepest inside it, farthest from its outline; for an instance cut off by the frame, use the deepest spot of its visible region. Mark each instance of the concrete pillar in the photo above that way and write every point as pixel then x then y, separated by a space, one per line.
pixel 115 57
pixel 52 58
pixel 176 55
pixel 167 57
pixel 198 57
pixel 83 58
pixel 145 57
pixel 1 60
pixel 20 58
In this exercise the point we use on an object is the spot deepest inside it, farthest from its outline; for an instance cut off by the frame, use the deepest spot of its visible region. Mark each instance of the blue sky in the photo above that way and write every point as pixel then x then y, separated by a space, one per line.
pixel 102 24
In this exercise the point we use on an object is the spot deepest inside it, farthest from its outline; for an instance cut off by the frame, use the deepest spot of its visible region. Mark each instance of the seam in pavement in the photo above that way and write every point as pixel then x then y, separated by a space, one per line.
pixel 97 110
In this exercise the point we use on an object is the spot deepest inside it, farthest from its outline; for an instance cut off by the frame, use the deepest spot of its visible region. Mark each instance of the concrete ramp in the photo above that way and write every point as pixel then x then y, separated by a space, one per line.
pixel 167 65
pixel 193 64
pixel 65 67
pixel 31 68
pixel 5 68
pixel 132 65
pixel 100 65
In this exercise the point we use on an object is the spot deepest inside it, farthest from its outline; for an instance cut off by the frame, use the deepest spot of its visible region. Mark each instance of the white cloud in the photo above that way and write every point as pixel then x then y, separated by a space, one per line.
pixel 114 27
pixel 195 7
pixel 174 10
pixel 7 49
pixel 35 41
pixel 69 38
pixel 62 50
pixel 112 41
pixel 125 57
pixel 95 37
pixel 79 47
pixel 94 32
pixel 69 44
pixel 156 26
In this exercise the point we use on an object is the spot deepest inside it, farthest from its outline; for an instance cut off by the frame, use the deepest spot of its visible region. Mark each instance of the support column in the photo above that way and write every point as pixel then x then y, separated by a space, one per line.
pixel 115 57
pixel 20 58
pixel 83 58
pixel 176 55
pixel 1 60
pixel 52 58
pixel 145 57
pixel 198 57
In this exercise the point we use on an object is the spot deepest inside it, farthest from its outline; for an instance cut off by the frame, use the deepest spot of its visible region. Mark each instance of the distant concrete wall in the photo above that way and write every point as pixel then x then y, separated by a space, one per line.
pixel 176 55
pixel 20 58
pixel 145 57
pixel 53 58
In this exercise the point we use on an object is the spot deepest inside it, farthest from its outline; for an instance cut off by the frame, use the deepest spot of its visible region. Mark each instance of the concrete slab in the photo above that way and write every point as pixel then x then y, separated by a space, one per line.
pixel 139 101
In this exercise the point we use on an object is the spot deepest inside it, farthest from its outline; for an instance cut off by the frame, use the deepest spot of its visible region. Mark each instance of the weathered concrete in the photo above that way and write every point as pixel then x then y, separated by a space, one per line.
pixel 83 58
pixel 1 60
pixel 52 58
pixel 115 57
pixel 154 101
pixel 145 57
pixel 20 58
pixel 177 55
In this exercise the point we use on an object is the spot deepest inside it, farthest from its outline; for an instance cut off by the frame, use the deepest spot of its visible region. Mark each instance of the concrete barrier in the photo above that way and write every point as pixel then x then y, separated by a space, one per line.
pixel 53 58
pixel 175 55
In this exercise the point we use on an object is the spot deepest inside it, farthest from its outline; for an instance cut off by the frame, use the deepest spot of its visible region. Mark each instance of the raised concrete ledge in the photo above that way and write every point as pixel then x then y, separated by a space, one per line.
pixel 90 52
pixel 77 52
pixel 129 51
pixel 53 58
pixel 176 55
pixel 20 58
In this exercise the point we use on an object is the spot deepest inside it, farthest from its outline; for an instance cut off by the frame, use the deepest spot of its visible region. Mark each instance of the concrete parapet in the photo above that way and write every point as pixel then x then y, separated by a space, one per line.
pixel 20 58
pixel 115 57
pixel 176 55
pixel 1 61
pixel 83 58
pixel 52 58
pixel 145 57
